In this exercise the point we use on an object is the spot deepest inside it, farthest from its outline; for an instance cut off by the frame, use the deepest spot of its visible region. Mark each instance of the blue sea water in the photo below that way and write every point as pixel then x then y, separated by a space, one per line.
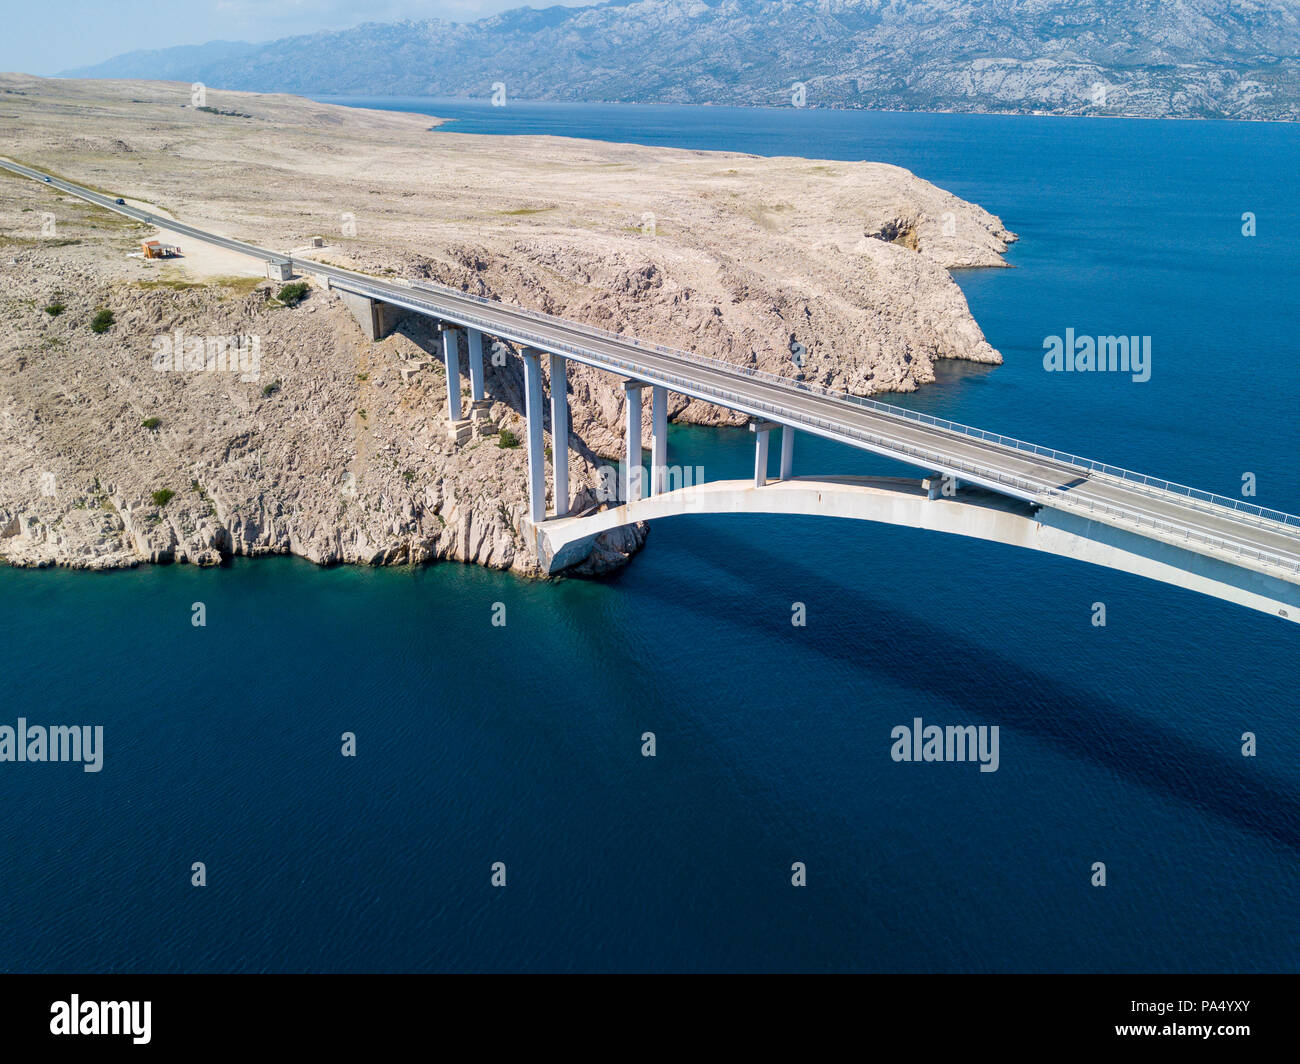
pixel 522 743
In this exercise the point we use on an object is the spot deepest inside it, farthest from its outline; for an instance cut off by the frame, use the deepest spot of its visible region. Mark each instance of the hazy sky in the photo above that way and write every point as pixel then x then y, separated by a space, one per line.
pixel 47 38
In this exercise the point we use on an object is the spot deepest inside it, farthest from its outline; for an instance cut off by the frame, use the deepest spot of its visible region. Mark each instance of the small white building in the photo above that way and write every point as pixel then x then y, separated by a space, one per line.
pixel 279 270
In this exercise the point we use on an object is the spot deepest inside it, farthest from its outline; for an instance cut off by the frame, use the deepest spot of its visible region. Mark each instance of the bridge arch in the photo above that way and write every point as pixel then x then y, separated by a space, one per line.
pixel 973 512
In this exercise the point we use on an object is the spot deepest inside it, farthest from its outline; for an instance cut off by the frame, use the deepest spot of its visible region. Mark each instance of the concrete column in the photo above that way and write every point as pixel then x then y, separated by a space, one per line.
pixel 940 485
pixel 476 391
pixel 787 452
pixel 560 431
pixel 658 440
pixel 760 430
pixel 632 458
pixel 451 358
pixel 533 405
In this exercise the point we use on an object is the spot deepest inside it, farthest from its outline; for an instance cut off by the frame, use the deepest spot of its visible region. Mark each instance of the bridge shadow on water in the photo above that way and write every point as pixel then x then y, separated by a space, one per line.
pixel 1082 724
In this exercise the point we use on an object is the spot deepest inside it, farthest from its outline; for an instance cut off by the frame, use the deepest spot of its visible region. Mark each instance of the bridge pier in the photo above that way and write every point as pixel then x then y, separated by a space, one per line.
pixel 787 452
pixel 451 358
pixel 476 390
pixel 536 450
pixel 658 439
pixel 560 431
pixel 761 429
pixel 632 473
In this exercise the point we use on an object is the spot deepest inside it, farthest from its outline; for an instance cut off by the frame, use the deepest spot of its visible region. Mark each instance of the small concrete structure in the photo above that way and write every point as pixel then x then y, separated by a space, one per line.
pixel 480 414
pixel 317 242
pixel 279 270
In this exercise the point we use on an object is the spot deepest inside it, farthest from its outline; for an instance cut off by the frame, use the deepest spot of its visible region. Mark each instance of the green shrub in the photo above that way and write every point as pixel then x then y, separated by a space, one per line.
pixel 219 111
pixel 55 309
pixel 162 497
pixel 101 321
pixel 292 294
pixel 272 388
pixel 151 423
pixel 506 438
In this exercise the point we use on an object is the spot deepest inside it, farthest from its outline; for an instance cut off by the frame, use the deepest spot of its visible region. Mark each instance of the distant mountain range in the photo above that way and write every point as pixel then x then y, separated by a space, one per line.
pixel 1187 58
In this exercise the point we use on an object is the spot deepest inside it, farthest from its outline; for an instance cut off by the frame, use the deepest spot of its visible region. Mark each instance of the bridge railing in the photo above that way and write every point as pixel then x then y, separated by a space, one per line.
pixel 1153 485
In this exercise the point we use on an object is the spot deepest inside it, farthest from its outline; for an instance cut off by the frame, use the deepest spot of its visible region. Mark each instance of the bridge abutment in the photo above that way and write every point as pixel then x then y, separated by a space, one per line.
pixel 376 318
